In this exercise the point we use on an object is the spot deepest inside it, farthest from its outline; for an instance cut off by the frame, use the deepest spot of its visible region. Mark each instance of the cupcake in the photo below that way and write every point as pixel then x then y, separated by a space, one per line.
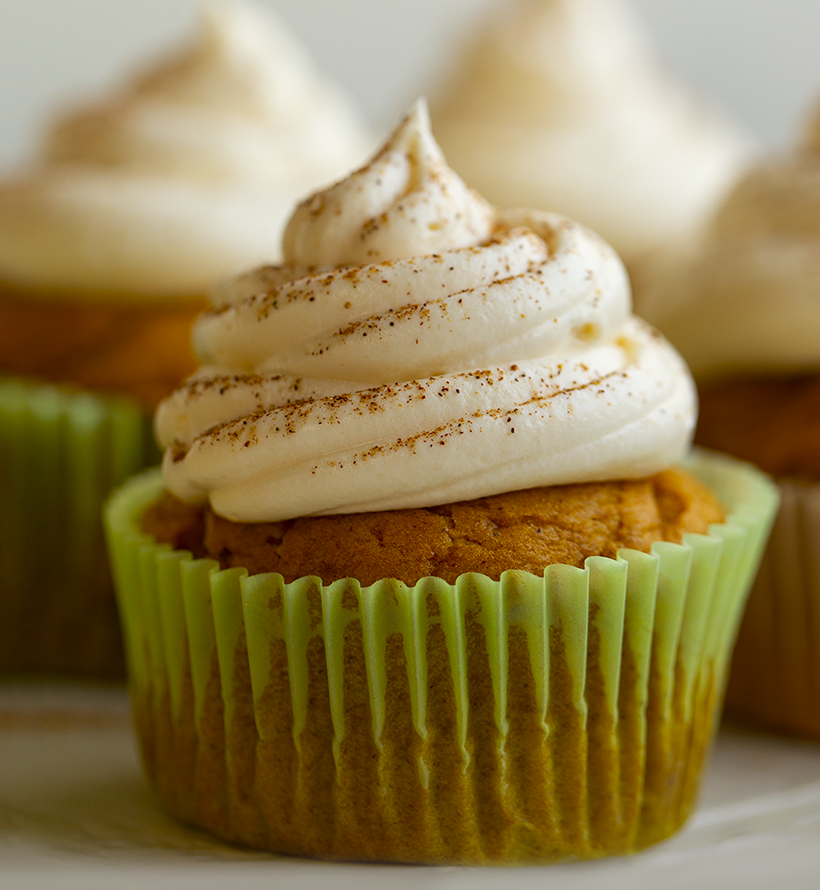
pixel 108 245
pixel 562 105
pixel 420 580
pixel 745 312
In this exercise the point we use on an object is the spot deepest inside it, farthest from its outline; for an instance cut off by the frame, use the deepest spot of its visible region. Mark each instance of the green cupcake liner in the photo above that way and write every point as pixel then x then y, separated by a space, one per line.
pixel 525 720
pixel 61 453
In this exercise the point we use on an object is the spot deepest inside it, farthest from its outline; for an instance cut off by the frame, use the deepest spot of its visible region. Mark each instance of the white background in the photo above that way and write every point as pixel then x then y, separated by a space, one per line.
pixel 757 59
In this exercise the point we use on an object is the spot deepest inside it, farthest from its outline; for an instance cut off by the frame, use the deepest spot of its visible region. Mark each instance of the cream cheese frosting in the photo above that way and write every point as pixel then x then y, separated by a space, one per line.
pixel 187 174
pixel 419 346
pixel 746 300
pixel 560 104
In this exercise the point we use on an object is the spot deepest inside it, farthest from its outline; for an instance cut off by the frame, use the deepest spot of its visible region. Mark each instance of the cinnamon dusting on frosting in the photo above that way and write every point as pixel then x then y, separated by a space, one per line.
pixel 488 350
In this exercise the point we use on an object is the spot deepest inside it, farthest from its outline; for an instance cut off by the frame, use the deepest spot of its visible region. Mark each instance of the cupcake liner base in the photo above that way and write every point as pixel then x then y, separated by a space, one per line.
pixel 61 453
pixel 529 720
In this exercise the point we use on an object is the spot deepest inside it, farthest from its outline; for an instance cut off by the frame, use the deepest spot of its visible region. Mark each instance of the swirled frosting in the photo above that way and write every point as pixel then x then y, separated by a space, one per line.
pixel 419 346
pixel 185 175
pixel 747 297
pixel 560 104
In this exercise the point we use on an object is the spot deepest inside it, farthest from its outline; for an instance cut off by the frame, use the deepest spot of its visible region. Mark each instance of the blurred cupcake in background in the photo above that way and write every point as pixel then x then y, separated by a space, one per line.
pixel 108 244
pixel 744 309
pixel 563 105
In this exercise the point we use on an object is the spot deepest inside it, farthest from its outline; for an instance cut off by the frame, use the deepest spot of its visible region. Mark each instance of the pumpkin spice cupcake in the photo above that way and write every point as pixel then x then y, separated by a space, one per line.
pixel 108 246
pixel 452 602
pixel 744 311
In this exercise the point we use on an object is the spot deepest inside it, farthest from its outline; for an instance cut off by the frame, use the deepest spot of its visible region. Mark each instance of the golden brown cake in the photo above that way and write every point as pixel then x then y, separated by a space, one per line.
pixel 106 346
pixel 525 530
pixel 786 443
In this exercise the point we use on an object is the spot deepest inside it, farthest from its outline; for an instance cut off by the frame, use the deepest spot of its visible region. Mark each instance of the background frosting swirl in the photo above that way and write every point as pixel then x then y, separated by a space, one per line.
pixel 745 299
pixel 187 173
pixel 471 351
pixel 562 105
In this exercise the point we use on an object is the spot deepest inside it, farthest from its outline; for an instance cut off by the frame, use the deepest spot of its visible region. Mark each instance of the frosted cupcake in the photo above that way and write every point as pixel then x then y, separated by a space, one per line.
pixel 561 104
pixel 485 621
pixel 745 311
pixel 108 245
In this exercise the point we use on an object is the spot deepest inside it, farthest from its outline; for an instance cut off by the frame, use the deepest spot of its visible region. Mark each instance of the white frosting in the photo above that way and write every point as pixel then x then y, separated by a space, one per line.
pixel 561 105
pixel 187 174
pixel 474 351
pixel 406 202
pixel 747 299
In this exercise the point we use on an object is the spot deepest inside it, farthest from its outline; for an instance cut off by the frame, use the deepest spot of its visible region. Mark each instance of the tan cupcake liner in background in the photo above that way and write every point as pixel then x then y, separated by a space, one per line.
pixel 775 678
pixel 62 451
pixel 527 720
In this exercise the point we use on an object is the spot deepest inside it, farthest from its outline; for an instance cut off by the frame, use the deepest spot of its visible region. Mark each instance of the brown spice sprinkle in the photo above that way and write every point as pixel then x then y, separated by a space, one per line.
pixel 774 423
pixel 105 343
pixel 293 414
pixel 516 530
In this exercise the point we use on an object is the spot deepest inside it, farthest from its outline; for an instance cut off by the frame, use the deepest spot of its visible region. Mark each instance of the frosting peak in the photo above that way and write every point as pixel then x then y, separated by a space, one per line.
pixel 233 52
pixel 442 350
pixel 578 42
pixel 405 202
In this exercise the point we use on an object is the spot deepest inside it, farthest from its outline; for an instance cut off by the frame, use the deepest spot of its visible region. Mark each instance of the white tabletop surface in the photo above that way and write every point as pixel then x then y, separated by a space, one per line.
pixel 76 813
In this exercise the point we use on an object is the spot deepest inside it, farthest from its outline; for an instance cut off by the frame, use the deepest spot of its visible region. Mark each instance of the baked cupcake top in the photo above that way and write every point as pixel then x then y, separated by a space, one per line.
pixel 186 174
pixel 747 298
pixel 561 104
pixel 418 347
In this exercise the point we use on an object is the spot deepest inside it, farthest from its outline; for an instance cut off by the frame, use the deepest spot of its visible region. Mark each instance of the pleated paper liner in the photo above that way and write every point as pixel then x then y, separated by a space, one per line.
pixel 775 677
pixel 527 720
pixel 61 454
